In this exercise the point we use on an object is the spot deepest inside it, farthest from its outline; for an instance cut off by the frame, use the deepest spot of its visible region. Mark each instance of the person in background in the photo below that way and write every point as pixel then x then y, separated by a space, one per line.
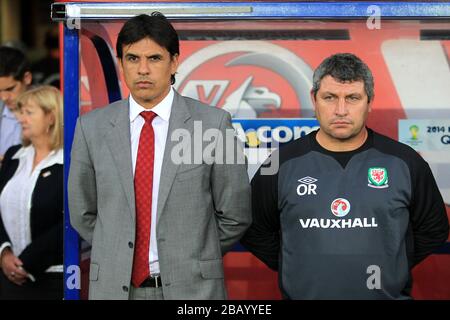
pixel 15 77
pixel 31 201
pixel 46 70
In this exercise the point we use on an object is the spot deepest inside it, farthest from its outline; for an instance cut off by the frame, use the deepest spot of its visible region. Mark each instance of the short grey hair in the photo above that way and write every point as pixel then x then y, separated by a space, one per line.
pixel 344 67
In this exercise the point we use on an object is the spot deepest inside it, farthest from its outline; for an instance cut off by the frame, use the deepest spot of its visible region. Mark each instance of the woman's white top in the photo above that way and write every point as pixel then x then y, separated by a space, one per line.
pixel 15 199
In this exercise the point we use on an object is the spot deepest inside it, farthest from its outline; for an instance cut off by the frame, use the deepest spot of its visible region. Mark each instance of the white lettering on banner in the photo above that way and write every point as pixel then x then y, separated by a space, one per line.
pixel 73 280
pixel 280 134
pixel 374 19
pixel 288 134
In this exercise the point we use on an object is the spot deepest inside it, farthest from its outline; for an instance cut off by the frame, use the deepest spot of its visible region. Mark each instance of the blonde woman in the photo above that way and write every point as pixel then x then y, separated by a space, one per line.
pixel 31 201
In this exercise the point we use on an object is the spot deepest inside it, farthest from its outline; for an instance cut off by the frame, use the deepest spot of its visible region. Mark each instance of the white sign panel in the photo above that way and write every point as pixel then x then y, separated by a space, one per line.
pixel 425 135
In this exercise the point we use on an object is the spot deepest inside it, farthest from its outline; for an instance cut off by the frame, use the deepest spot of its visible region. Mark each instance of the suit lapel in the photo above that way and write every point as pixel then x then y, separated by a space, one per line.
pixel 118 139
pixel 178 120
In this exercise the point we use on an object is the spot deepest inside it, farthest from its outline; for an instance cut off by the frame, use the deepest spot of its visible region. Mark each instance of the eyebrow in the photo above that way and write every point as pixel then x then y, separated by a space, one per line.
pixel 328 93
pixel 9 88
pixel 335 95
pixel 130 55
pixel 156 55
pixel 356 94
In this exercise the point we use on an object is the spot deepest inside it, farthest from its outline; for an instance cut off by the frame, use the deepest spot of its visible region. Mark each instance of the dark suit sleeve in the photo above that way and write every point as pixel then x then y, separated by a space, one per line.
pixel 230 189
pixel 40 254
pixel 82 190
pixel 263 237
pixel 428 215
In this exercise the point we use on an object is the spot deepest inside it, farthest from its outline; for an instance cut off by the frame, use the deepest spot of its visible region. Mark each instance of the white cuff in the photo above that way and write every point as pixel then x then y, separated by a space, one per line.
pixel 4 246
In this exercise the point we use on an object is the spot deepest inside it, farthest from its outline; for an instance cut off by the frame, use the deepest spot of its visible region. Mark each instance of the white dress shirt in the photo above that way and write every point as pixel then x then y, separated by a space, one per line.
pixel 15 199
pixel 160 127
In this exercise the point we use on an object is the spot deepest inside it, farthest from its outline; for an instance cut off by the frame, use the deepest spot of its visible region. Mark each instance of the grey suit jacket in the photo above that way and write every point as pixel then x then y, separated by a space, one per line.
pixel 203 209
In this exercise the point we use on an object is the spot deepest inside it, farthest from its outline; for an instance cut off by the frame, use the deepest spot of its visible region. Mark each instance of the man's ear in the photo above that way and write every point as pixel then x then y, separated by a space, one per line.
pixel 313 99
pixel 120 65
pixel 370 104
pixel 175 63
pixel 27 78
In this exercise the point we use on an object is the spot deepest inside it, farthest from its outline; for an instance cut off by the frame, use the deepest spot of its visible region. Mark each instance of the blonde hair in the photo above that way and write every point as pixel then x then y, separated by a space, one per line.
pixel 49 99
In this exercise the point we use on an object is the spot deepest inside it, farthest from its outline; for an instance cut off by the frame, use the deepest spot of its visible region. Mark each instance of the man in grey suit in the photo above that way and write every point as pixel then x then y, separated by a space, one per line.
pixel 158 226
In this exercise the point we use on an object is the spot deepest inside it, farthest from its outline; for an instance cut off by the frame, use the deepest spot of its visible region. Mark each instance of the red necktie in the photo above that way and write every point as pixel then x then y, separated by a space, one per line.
pixel 143 187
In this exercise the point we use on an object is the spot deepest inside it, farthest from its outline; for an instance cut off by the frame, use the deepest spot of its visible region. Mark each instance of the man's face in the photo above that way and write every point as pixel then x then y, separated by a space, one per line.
pixel 341 108
pixel 147 68
pixel 11 88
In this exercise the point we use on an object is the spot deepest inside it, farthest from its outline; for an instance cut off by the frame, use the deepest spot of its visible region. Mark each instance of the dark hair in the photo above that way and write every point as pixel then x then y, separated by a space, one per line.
pixel 13 63
pixel 344 67
pixel 156 27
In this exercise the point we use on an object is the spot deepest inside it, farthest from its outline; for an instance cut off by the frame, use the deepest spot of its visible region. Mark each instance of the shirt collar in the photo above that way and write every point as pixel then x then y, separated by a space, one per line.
pixel 162 109
pixel 8 113
pixel 54 157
